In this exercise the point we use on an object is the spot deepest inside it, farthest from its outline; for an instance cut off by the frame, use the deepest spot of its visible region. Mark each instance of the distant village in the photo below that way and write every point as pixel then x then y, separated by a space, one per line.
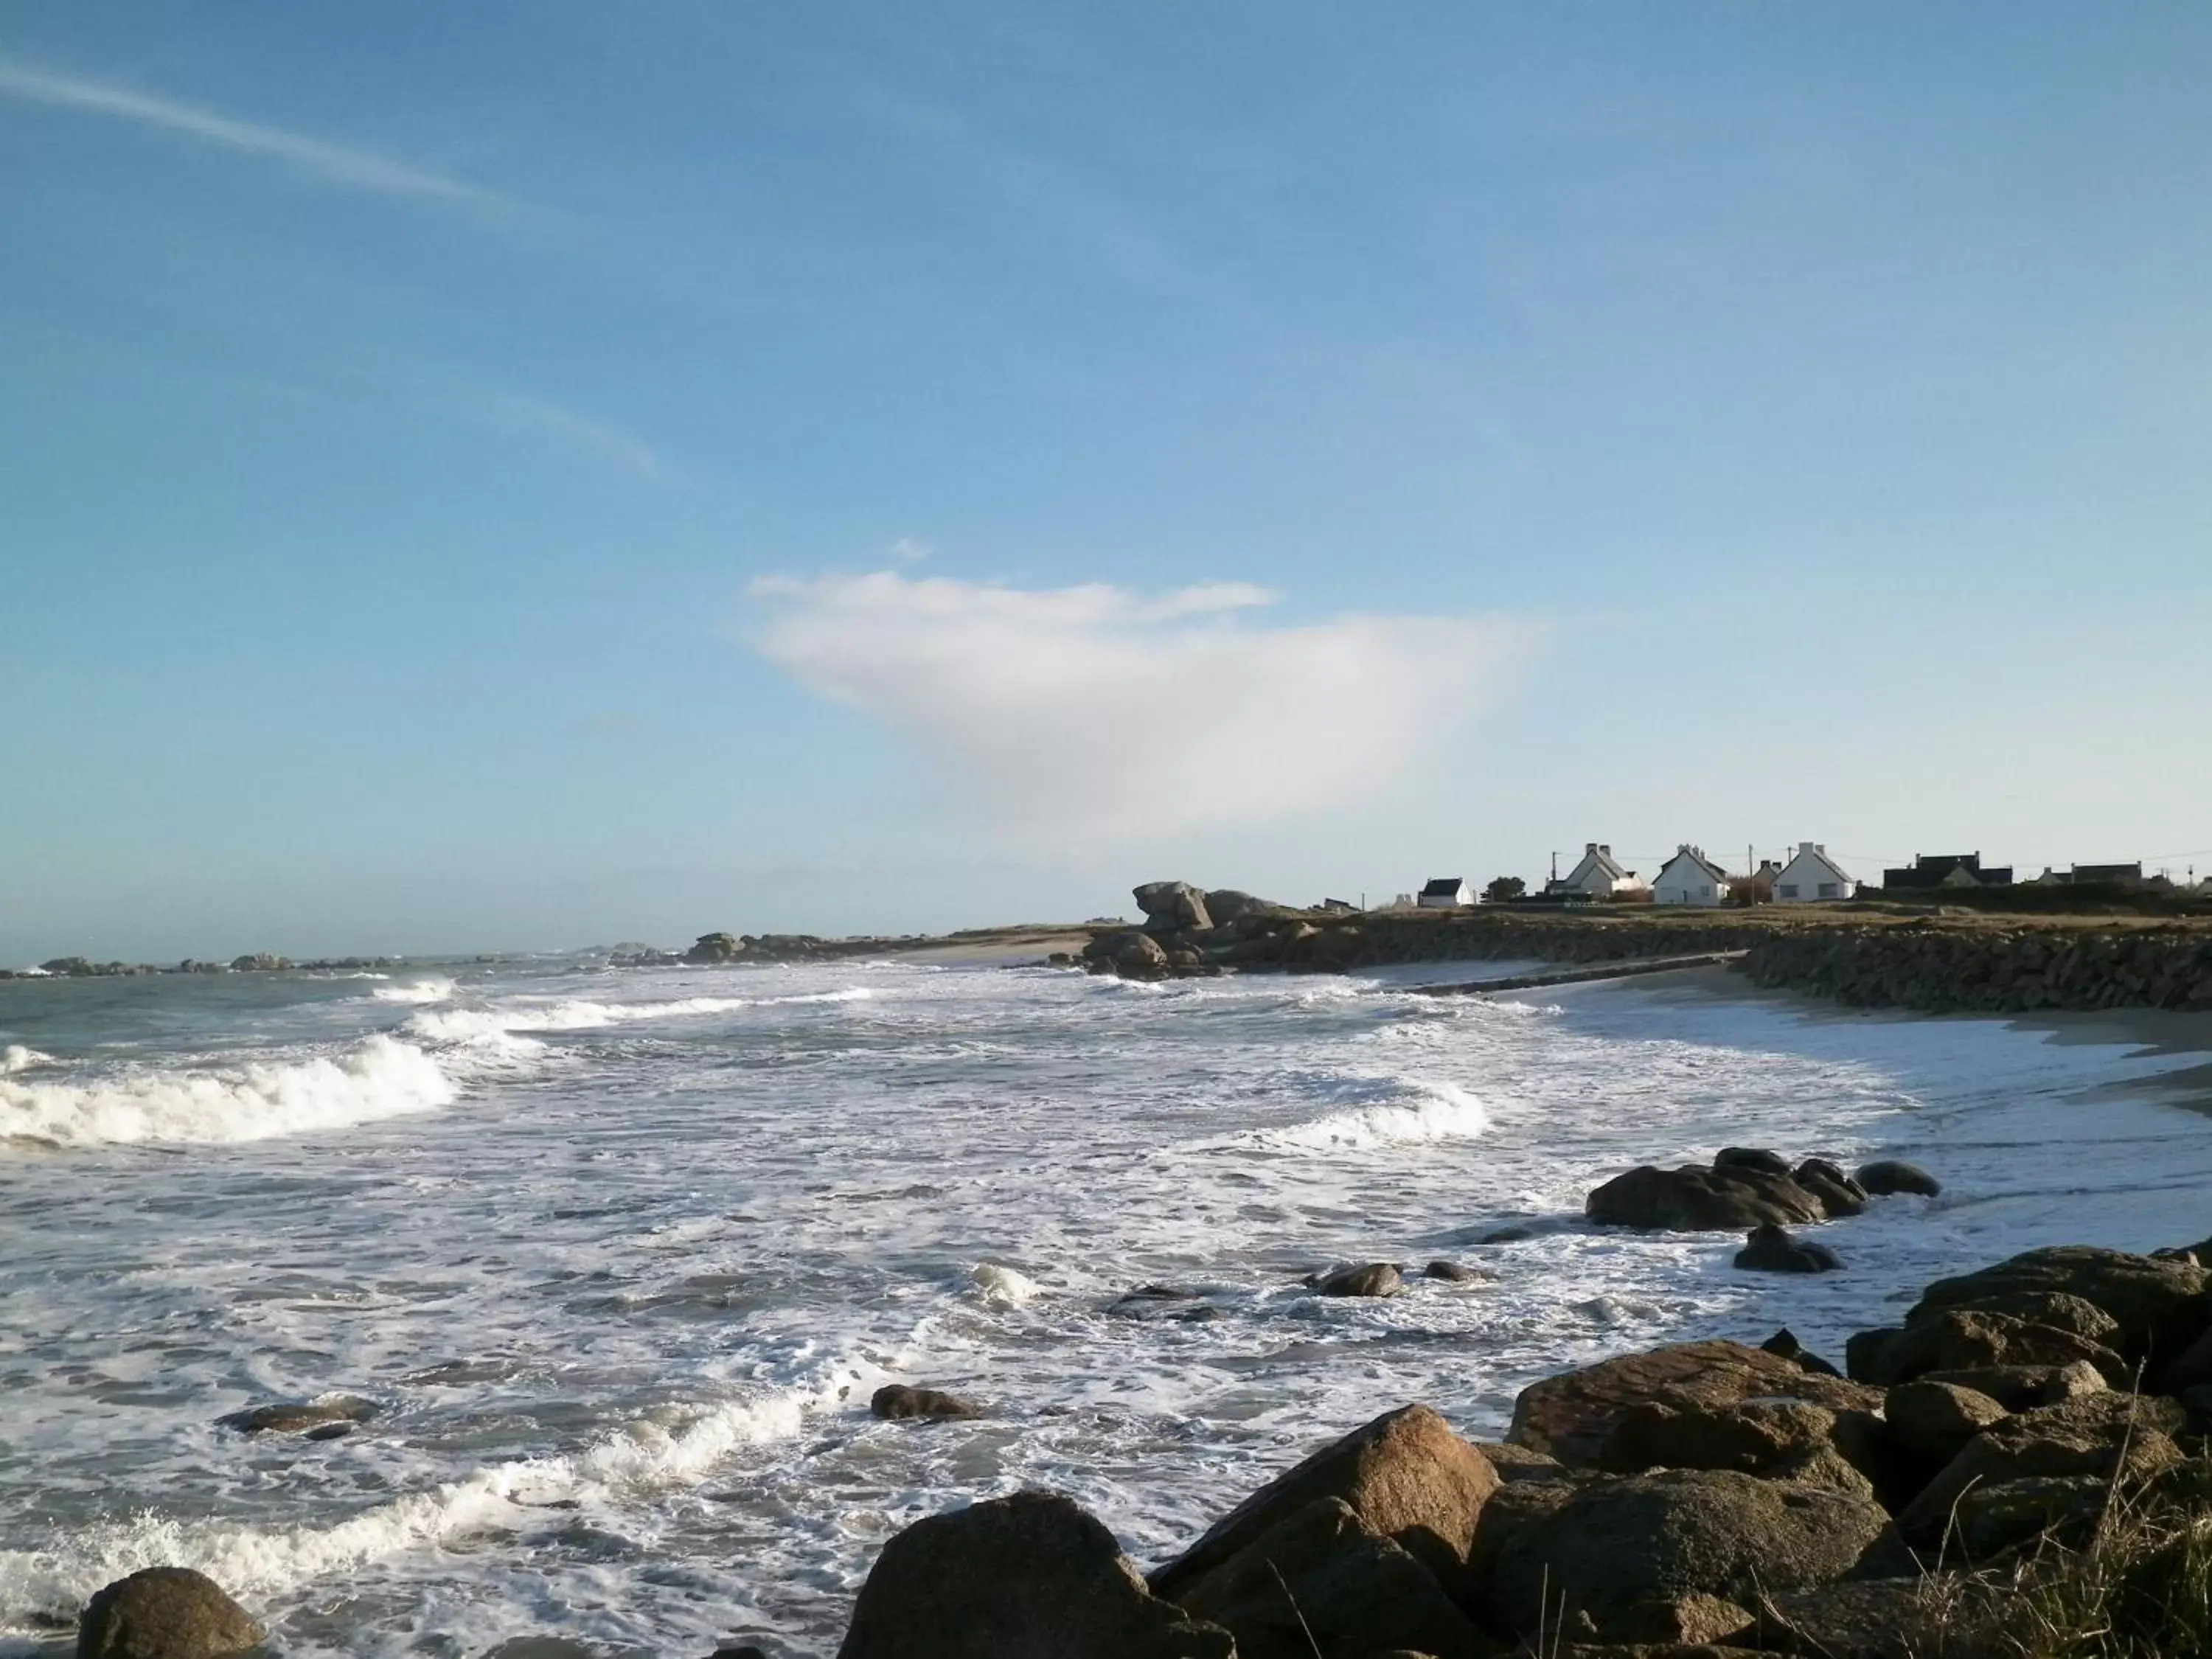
pixel 1806 876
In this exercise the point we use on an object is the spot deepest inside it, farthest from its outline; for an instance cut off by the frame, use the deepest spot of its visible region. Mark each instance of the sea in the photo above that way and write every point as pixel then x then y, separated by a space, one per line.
pixel 617 1257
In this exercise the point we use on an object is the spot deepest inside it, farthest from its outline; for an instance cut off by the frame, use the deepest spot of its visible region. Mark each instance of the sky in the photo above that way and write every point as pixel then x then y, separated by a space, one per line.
pixel 519 477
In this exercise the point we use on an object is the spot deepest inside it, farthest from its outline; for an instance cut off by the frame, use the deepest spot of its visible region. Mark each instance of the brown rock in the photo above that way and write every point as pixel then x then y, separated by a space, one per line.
pixel 1322 1578
pixel 1933 1421
pixel 2023 1388
pixel 1610 1559
pixel 898 1401
pixel 2158 1305
pixel 1775 1439
pixel 2104 1436
pixel 1572 1415
pixel 2053 1308
pixel 165 1613
pixel 1406 1475
pixel 1374 1279
pixel 1013 1578
pixel 1730 1198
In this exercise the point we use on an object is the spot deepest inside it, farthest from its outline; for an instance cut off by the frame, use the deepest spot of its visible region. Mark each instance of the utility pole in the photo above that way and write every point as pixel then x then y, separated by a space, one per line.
pixel 1555 866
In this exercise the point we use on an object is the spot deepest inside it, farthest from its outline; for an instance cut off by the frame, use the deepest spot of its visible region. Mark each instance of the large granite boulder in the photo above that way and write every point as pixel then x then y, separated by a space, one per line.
pixel 1961 1339
pixel 1012 1578
pixel 1570 1416
pixel 1228 907
pixel 1775 1439
pixel 1406 1475
pixel 1323 1578
pixel 1129 952
pixel 711 948
pixel 1932 1422
pixel 1173 907
pixel 165 1613
pixel 1617 1557
pixel 1725 1198
pixel 1372 1278
pixel 2159 1303
pixel 2107 1436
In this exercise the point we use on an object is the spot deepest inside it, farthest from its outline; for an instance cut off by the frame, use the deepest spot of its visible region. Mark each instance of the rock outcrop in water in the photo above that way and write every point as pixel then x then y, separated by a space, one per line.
pixel 165 1613
pixel 1741 1189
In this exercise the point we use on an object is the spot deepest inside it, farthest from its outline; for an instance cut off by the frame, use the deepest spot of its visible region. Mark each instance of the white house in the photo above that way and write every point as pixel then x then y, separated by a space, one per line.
pixel 1690 877
pixel 1445 893
pixel 1811 878
pixel 1599 875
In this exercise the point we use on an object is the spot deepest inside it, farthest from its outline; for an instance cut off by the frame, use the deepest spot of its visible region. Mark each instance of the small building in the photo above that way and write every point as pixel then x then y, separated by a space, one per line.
pixel 1690 877
pixel 1445 893
pixel 1946 869
pixel 1811 878
pixel 1598 875
pixel 1758 887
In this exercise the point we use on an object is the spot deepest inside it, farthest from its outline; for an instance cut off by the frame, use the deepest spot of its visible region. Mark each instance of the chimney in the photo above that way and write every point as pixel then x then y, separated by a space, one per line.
pixel 1589 847
pixel 1606 848
pixel 1805 847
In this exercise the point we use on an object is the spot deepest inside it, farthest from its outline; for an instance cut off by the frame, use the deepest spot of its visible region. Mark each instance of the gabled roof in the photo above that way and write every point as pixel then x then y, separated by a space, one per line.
pixel 1442 886
pixel 1600 859
pixel 1696 858
pixel 1818 856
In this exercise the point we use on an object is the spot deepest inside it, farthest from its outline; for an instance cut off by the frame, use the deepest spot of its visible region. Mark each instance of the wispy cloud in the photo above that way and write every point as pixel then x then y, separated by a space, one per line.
pixel 516 412
pixel 337 164
pixel 1080 711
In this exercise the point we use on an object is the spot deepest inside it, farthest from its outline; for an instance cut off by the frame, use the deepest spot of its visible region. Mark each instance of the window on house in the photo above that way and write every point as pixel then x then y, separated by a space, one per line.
pixel 1788 889
pixel 1829 890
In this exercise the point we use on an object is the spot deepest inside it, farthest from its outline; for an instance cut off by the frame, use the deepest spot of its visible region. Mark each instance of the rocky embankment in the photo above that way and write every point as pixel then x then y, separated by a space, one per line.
pixel 1929 964
pixel 260 961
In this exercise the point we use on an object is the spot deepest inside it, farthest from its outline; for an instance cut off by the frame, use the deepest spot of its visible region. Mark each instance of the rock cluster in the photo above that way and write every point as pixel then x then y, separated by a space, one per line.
pixel 1702 1493
pixel 1189 930
pixel 1744 1188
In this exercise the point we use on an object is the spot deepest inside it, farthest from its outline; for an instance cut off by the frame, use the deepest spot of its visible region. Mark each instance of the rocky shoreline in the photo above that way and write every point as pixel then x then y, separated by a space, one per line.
pixel 1927 964
pixel 1698 1500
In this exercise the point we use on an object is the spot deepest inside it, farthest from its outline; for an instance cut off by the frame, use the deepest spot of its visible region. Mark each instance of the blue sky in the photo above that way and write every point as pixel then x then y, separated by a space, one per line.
pixel 520 475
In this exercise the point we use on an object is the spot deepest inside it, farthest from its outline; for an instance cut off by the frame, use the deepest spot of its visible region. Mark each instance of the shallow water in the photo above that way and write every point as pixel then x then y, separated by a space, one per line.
pixel 621 1255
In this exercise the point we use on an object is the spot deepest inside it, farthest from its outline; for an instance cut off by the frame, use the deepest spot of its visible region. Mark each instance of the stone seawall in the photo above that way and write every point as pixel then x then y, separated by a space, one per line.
pixel 1933 964
pixel 1937 970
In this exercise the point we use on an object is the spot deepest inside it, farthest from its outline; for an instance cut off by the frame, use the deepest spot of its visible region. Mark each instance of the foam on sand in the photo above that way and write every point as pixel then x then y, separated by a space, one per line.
pixel 378 1078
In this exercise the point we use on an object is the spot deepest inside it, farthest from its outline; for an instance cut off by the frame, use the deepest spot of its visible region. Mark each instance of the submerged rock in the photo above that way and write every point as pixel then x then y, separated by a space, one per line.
pixel 1694 1199
pixel 1014 1579
pixel 165 1613
pixel 898 1401
pixel 1454 1272
pixel 1888 1175
pixel 324 1419
pixel 1772 1250
pixel 1374 1279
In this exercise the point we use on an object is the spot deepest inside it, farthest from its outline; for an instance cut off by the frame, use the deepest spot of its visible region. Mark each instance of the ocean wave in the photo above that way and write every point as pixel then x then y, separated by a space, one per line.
pixel 16 1058
pixel 378 1078
pixel 1413 1111
pixel 422 990
pixel 473 1025
pixel 674 1446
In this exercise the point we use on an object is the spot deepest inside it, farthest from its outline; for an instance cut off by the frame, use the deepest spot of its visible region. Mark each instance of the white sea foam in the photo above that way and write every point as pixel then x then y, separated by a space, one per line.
pixel 421 990
pixel 1417 1111
pixel 378 1078
pixel 1001 1284
pixel 673 1446
pixel 576 1014
pixel 16 1058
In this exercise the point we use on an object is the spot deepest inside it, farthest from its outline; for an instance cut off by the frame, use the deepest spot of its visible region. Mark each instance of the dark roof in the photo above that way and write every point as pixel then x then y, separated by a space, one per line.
pixel 1933 869
pixel 1442 886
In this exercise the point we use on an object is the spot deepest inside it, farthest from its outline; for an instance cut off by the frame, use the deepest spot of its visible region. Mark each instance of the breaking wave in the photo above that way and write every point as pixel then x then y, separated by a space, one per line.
pixel 378 1078
pixel 422 990
pixel 1413 1112
pixel 674 1446
pixel 16 1058
pixel 472 1024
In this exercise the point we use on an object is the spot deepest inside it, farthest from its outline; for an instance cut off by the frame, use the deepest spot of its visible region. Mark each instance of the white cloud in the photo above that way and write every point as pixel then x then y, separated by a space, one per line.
pixel 360 169
pixel 1080 711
